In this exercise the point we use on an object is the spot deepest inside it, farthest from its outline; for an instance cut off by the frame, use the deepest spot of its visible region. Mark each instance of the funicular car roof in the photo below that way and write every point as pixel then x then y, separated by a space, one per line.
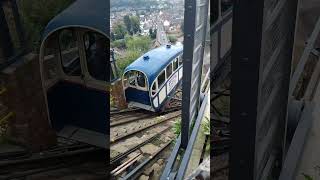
pixel 157 60
pixel 90 14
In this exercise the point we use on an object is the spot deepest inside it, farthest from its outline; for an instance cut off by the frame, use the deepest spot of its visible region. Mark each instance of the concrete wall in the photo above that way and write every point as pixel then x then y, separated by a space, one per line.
pixel 117 95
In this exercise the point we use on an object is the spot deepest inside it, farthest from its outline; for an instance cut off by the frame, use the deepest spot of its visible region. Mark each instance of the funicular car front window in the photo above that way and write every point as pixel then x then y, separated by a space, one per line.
pixel 96 55
pixel 132 78
pixel 141 80
pixel 50 59
pixel 69 53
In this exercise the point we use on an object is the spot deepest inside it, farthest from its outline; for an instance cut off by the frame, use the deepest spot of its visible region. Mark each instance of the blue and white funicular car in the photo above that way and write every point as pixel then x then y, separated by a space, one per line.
pixel 151 80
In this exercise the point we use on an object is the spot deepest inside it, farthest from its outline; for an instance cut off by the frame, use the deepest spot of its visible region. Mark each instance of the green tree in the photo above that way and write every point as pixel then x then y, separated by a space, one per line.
pixel 36 14
pixel 119 31
pixel 119 44
pixel 152 33
pixel 127 22
pixel 135 24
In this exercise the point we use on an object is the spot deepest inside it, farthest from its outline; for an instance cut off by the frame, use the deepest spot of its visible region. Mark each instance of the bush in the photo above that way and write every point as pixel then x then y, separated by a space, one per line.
pixel 36 14
pixel 172 39
pixel 138 43
pixel 118 44
pixel 127 59
pixel 177 127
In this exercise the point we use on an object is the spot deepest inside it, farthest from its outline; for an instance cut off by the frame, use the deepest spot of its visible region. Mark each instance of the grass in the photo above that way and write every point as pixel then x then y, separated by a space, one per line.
pixel 307 177
pixel 206 126
pixel 177 127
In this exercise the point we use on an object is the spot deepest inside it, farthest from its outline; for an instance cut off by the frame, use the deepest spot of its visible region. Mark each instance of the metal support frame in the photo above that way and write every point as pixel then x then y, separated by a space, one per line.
pixel 196 17
pixel 247 27
pixel 296 148
pixel 220 64
pixel 192 62
pixel 300 115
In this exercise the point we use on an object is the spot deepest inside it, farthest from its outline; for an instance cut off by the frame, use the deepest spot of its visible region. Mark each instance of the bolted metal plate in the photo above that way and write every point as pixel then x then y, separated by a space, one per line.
pixel 261 69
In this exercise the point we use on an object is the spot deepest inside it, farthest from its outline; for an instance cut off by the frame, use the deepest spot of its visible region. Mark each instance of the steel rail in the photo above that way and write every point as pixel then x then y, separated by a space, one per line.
pixel 125 154
pixel 39 158
pixel 126 120
pixel 114 112
pixel 138 170
pixel 125 165
pixel 115 140
pixel 130 119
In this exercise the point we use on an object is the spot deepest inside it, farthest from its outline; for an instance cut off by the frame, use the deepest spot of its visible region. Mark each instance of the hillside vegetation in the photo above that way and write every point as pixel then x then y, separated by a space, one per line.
pixel 36 14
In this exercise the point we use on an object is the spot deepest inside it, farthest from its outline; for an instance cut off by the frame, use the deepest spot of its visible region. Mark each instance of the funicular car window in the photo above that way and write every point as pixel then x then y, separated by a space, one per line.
pixel 141 80
pixel 175 64
pixel 154 88
pixel 51 61
pixel 126 79
pixel 161 79
pixel 96 55
pixel 169 70
pixel 180 60
pixel 132 78
pixel 69 53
